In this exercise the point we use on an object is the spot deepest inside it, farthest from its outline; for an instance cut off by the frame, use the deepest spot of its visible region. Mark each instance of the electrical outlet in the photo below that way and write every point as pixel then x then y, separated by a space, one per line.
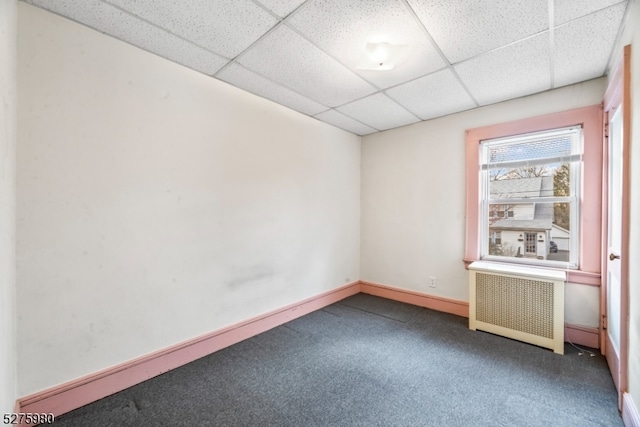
pixel 432 281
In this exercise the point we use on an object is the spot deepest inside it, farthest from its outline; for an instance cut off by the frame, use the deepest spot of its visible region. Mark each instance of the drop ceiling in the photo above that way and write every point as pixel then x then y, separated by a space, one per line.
pixel 458 54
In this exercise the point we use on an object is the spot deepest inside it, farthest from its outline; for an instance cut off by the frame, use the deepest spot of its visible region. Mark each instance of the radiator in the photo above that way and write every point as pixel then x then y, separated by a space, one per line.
pixel 518 302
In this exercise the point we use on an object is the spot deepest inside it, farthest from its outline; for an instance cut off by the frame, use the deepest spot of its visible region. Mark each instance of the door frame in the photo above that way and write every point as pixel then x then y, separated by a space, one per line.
pixel 617 95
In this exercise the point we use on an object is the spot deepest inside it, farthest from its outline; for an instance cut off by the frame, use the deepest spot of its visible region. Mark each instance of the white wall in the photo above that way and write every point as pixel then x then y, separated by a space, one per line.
pixel 632 36
pixel 413 198
pixel 156 204
pixel 7 204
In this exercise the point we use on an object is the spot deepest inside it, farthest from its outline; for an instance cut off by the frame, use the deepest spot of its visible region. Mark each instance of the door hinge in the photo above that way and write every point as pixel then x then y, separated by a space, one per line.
pixel 606 130
pixel 604 322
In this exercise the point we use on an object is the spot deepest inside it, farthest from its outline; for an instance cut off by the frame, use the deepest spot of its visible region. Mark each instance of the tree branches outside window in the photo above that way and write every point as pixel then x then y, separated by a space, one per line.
pixel 561 213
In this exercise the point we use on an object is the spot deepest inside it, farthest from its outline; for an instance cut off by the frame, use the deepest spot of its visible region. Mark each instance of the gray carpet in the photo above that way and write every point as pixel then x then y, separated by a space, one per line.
pixel 367 361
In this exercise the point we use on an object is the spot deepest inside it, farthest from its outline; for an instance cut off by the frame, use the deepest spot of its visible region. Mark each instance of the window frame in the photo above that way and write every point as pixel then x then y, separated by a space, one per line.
pixel 505 205
pixel 590 197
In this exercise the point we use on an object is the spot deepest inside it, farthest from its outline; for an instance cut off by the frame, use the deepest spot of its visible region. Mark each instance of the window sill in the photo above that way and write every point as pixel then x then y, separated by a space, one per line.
pixel 520 270
pixel 573 276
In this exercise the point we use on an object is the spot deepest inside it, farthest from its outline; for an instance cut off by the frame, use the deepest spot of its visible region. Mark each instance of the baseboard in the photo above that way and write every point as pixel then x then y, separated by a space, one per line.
pixel 71 395
pixel 451 306
pixel 630 415
pixel 74 394
pixel 82 391
pixel 580 335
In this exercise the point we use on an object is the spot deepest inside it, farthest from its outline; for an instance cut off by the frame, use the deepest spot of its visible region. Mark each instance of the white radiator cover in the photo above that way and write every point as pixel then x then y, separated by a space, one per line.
pixel 518 302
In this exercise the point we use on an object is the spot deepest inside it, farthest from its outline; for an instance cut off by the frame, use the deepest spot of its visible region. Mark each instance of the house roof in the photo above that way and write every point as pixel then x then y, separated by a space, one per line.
pixel 523 188
pixel 523 224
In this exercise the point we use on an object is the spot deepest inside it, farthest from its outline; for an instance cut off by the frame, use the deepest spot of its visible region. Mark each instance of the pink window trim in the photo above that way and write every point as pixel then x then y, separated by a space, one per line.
pixel 591 194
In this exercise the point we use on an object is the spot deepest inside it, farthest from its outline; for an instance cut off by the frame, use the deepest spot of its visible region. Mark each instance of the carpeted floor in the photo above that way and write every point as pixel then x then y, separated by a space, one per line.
pixel 367 361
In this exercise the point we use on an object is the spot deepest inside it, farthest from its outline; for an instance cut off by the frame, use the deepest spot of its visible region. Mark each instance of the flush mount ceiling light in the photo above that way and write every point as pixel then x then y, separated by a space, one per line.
pixel 381 56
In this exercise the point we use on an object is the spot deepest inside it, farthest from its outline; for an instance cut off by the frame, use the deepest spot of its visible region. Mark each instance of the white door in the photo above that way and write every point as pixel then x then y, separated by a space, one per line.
pixel 614 245
pixel 615 291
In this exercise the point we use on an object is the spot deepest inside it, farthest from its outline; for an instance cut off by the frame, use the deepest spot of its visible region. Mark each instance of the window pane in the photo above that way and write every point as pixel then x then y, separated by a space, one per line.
pixel 534 230
pixel 562 215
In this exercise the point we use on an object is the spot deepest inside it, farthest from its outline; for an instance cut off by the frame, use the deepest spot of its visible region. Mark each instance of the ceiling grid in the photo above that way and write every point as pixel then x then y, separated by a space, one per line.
pixel 453 55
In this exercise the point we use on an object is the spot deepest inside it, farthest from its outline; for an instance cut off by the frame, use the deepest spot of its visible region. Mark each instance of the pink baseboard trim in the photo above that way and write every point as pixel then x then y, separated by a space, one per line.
pixel 74 394
pixel 451 306
pixel 580 335
pixel 82 391
pixel 630 415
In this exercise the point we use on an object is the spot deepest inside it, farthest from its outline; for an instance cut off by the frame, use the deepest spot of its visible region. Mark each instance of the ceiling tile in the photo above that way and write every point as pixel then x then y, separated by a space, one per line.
pixel 343 29
pixel 240 77
pixel 378 111
pixel 310 71
pixel 226 27
pixel 305 54
pixel 432 96
pixel 465 28
pixel 581 52
pixel 516 70
pixel 567 10
pixel 338 119
pixel 123 26
pixel 281 8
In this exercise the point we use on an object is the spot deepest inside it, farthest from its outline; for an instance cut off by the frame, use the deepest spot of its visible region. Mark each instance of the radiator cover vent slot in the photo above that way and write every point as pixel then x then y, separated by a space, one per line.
pixel 515 303
pixel 518 302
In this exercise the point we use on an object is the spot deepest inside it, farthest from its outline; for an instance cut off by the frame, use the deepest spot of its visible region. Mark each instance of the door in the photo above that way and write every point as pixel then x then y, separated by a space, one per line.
pixel 615 239
pixel 530 244
pixel 614 244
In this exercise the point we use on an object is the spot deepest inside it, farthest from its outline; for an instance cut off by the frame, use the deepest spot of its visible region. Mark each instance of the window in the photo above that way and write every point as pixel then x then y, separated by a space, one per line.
pixel 585 220
pixel 501 211
pixel 529 196
pixel 496 238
